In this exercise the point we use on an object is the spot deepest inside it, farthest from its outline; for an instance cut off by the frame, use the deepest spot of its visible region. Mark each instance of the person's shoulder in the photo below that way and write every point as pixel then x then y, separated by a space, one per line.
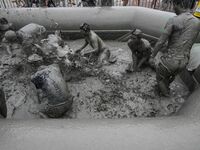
pixel 146 42
pixel 93 34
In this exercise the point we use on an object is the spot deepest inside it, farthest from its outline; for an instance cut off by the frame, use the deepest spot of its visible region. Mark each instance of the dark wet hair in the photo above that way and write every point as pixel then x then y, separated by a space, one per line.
pixel 3 21
pixel 187 4
pixel 85 27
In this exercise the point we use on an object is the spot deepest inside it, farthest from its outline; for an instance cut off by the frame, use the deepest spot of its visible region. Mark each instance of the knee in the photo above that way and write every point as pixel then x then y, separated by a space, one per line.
pixel 161 72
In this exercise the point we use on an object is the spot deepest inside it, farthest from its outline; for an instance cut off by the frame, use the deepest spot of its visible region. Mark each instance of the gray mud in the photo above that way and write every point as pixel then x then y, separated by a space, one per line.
pixel 106 92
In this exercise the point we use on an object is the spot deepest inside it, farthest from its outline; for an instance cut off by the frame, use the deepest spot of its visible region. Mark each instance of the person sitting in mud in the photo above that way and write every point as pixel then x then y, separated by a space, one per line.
pixel 3 107
pixel 180 33
pixel 99 48
pixel 141 50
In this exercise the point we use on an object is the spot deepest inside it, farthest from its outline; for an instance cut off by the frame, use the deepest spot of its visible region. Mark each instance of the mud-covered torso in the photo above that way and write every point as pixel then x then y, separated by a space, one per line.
pixel 141 47
pixel 185 29
pixel 95 41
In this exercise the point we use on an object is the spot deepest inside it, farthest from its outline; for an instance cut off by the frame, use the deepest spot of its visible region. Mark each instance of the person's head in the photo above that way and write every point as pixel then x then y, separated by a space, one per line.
pixel 10 35
pixel 3 21
pixel 181 6
pixel 85 28
pixel 137 33
pixel 4 24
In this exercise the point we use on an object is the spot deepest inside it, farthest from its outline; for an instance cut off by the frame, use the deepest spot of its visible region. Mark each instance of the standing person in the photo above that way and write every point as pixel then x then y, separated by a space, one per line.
pixel 138 2
pixel 193 3
pixel 50 3
pixel 153 4
pixel 165 4
pixel 180 33
pixel 125 2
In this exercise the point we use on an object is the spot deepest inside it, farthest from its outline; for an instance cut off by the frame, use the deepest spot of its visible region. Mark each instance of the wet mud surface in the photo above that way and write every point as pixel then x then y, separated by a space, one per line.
pixel 107 92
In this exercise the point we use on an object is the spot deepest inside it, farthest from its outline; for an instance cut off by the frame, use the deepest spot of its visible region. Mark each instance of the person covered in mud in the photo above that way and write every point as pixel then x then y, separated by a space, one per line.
pixel 141 50
pixel 3 107
pixel 180 33
pixel 10 37
pixel 26 36
pixel 99 48
pixel 5 32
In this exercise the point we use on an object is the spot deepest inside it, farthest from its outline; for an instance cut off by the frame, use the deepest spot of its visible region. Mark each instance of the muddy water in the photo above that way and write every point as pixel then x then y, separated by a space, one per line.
pixel 107 93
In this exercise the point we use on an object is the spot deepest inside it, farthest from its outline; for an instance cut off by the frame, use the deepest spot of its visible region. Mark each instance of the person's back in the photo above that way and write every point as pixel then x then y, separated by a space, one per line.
pixel 185 30
pixel 100 44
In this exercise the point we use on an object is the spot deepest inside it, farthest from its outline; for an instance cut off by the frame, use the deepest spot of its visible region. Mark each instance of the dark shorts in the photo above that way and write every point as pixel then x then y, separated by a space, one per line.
pixel 170 67
pixel 56 111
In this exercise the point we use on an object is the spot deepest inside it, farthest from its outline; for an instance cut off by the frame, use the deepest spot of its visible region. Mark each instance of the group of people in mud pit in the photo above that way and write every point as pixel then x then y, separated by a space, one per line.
pixel 169 57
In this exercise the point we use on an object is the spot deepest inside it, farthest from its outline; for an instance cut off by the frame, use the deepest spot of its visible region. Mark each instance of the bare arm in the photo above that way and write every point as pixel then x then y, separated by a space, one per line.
pixel 141 62
pixel 164 37
pixel 160 43
pixel 85 44
pixel 94 43
pixel 135 61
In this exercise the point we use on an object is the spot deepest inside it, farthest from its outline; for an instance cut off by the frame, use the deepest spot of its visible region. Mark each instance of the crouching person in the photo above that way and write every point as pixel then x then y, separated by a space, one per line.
pixel 99 49
pixel 26 36
pixel 141 51
pixel 56 99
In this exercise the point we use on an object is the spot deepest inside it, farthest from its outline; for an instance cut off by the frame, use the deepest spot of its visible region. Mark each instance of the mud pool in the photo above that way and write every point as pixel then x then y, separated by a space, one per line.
pixel 107 92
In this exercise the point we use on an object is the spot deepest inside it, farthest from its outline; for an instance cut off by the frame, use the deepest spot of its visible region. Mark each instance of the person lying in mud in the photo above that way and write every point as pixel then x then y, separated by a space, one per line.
pixel 141 50
pixel 99 48
pixel 180 33
pixel 3 107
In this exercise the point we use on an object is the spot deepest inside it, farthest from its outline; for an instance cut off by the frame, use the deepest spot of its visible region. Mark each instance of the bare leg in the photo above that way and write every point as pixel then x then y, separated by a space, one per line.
pixel 125 2
pixel 104 56
pixel 144 59
pixel 8 49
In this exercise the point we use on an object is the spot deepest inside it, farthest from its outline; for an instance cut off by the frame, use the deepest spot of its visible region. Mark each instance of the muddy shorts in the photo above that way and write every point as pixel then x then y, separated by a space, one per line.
pixel 169 67
pixel 58 110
